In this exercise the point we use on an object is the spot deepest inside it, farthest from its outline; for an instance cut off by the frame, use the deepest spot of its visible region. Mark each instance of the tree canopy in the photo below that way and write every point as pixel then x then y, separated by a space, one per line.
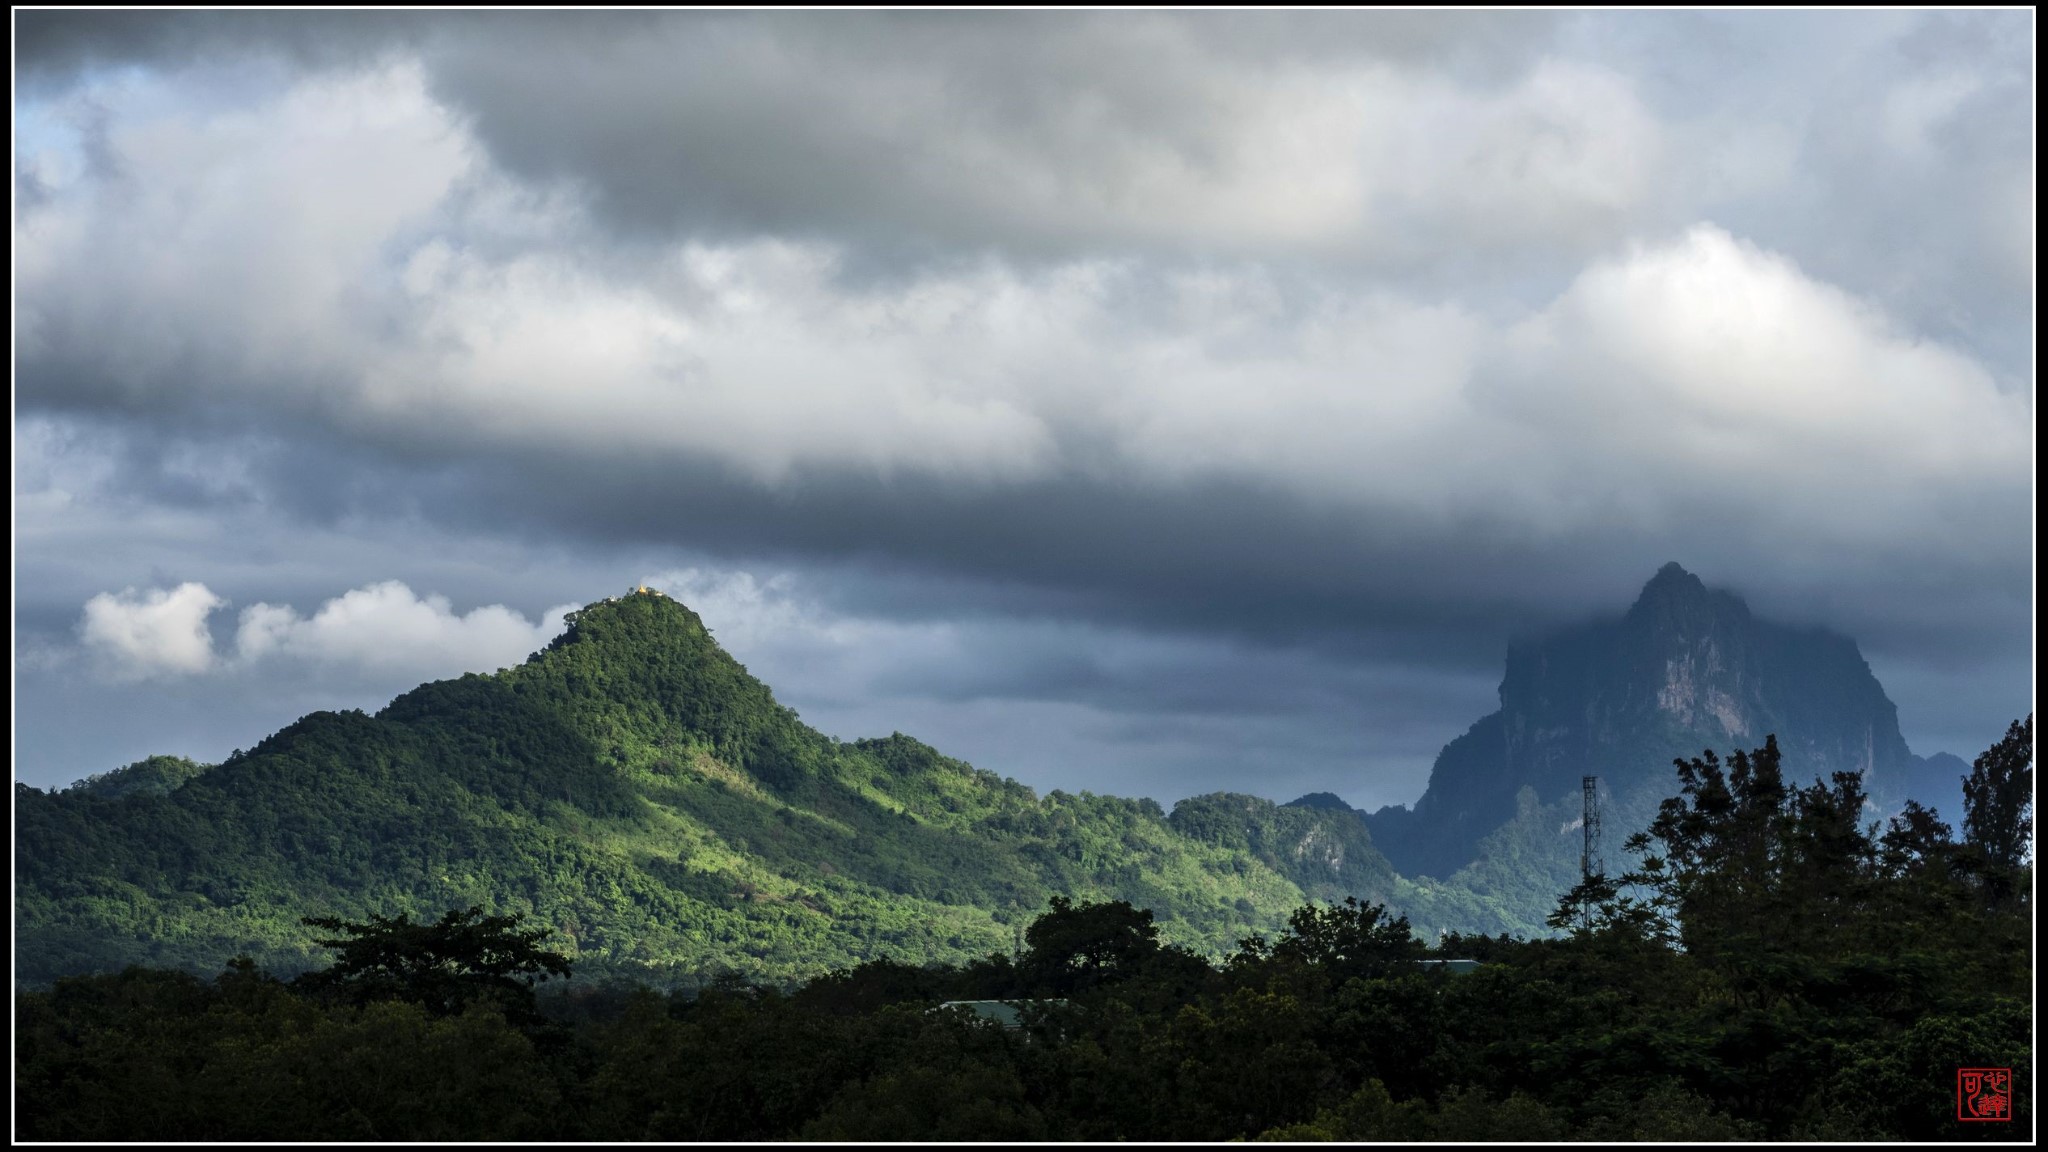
pixel 1998 798
pixel 441 966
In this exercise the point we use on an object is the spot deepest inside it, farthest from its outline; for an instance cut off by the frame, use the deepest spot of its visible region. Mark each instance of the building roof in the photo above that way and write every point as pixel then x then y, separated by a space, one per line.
pixel 1003 1012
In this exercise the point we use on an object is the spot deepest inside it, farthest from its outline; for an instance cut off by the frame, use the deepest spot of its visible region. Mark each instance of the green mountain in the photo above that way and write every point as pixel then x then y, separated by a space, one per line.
pixel 635 789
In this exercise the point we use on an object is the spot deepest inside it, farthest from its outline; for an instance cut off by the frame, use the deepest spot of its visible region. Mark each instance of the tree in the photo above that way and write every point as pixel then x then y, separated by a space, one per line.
pixel 445 966
pixel 1077 946
pixel 1998 801
pixel 1578 910
pixel 1715 870
pixel 1347 940
pixel 1750 867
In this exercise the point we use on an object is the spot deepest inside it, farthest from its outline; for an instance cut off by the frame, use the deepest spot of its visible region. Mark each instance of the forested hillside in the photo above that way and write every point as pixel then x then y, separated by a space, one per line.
pixel 635 789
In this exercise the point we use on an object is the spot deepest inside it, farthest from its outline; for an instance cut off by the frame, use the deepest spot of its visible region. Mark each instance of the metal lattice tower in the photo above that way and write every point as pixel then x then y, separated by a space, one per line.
pixel 1590 864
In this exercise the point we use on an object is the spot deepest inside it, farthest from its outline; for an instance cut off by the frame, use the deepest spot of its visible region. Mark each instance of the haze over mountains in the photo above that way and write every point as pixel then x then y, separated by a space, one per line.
pixel 633 787
pixel 1685 669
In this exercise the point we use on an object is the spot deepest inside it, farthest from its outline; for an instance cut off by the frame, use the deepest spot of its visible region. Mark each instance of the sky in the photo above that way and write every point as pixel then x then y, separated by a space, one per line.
pixel 1143 403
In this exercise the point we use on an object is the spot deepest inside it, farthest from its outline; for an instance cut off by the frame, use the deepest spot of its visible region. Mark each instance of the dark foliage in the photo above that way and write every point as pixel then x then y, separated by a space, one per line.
pixel 1998 799
pixel 463 958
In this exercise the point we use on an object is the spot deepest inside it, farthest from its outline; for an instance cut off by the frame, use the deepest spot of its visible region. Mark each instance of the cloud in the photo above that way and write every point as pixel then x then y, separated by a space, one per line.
pixel 354 250
pixel 1021 132
pixel 1281 438
pixel 54 49
pixel 1129 132
pixel 1708 372
pixel 161 632
pixel 1901 169
pixel 385 627
pixel 766 360
pixel 379 630
pixel 1062 703
pixel 283 213
pixel 1142 441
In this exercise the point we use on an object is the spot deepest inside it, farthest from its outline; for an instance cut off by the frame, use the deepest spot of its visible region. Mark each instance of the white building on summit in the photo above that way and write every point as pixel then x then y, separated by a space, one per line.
pixel 638 590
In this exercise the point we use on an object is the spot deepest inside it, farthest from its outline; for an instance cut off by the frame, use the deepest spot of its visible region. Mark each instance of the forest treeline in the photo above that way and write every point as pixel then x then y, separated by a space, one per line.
pixel 1769 968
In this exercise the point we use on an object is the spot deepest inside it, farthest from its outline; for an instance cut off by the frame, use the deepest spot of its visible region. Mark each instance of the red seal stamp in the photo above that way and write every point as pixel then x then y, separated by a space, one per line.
pixel 1984 1094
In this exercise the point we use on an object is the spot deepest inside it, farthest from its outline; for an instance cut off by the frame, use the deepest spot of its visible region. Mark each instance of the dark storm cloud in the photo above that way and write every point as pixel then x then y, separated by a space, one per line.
pixel 56 43
pixel 1111 667
pixel 1254 567
pixel 1260 565
pixel 914 134
pixel 53 49
pixel 1113 687
pixel 906 127
pixel 1060 133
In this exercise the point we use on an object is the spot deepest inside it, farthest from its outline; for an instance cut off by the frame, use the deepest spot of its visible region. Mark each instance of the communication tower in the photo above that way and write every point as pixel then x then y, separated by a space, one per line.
pixel 1590 864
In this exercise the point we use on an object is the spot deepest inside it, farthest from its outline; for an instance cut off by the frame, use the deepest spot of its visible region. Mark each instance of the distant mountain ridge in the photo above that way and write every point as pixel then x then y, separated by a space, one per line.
pixel 1685 669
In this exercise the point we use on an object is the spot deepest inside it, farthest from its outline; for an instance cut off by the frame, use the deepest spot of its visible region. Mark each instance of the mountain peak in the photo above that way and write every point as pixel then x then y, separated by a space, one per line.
pixel 644 611
pixel 1674 594
pixel 1327 800
pixel 1672 580
pixel 1688 667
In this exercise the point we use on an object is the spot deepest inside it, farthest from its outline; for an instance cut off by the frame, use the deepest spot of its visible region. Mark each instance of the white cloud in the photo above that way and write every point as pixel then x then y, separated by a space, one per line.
pixel 250 239
pixel 1681 366
pixel 383 631
pixel 798 645
pixel 1708 371
pixel 161 632
pixel 386 628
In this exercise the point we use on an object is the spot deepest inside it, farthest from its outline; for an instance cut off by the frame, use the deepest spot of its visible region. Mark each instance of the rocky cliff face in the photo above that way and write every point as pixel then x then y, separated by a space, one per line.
pixel 1685 669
